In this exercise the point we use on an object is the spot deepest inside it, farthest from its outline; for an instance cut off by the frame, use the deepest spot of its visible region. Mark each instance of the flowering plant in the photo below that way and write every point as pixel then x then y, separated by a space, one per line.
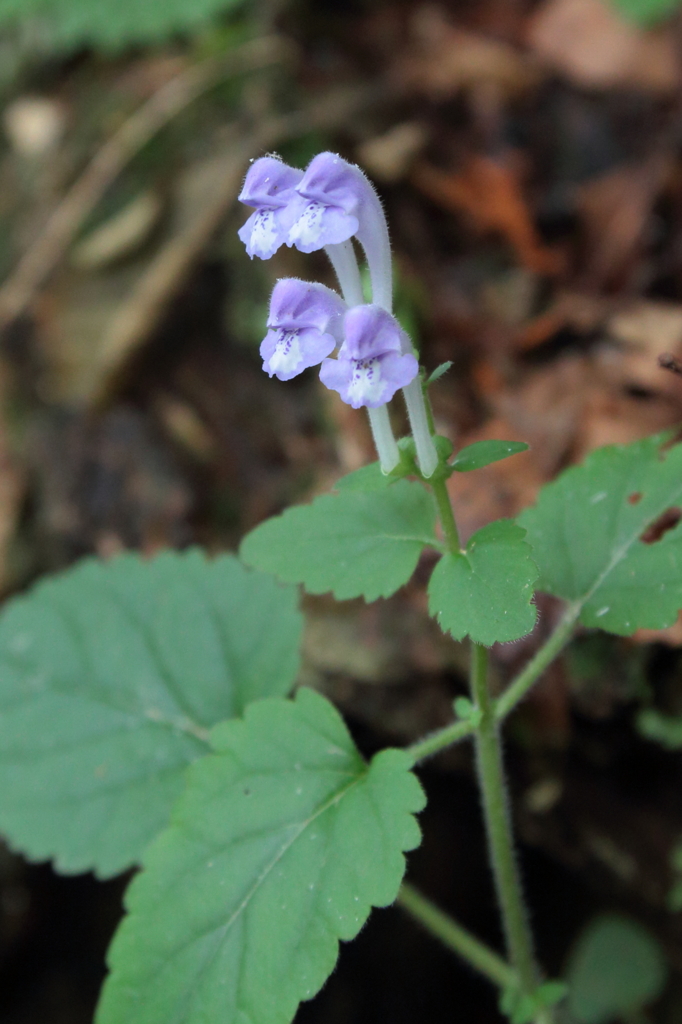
pixel 145 715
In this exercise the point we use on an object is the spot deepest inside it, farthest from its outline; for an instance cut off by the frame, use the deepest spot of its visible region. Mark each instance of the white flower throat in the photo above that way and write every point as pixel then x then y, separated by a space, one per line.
pixel 366 383
pixel 287 354
pixel 306 230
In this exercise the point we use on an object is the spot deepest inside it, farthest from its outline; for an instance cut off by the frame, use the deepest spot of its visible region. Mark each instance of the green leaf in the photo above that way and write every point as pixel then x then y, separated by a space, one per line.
pixel 646 12
pixel 525 1009
pixel 111 24
pixel 615 968
pixel 483 453
pixel 352 544
pixel 439 372
pixel 111 675
pixel 279 847
pixel 486 591
pixel 585 534
pixel 664 729
pixel 367 478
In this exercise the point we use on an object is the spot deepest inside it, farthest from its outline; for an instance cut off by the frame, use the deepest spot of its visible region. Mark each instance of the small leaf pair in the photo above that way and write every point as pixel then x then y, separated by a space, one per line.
pixel 366 541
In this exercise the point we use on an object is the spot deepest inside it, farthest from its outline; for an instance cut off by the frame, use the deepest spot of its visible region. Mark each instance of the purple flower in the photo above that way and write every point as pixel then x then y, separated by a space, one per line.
pixel 338 201
pixel 269 188
pixel 371 365
pixel 304 324
pixel 334 192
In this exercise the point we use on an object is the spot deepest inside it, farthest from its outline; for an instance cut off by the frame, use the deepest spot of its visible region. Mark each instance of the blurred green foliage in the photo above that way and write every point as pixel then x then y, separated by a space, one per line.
pixel 646 12
pixel 109 24
pixel 615 968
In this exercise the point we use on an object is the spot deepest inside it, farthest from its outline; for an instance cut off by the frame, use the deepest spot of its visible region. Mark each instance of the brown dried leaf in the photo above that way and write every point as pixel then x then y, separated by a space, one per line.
pixel 644 330
pixel 591 44
pixel 443 60
pixel 489 193
pixel 615 209
pixel 388 157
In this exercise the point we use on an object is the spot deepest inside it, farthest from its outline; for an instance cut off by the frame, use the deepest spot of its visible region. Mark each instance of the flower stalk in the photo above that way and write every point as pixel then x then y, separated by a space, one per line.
pixel 324 207
pixel 384 439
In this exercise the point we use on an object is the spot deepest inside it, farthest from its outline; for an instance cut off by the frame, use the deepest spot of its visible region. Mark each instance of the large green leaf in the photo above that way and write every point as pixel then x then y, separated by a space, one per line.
pixel 280 845
pixel 352 543
pixel 615 968
pixel 111 23
pixel 110 677
pixel 586 530
pixel 486 591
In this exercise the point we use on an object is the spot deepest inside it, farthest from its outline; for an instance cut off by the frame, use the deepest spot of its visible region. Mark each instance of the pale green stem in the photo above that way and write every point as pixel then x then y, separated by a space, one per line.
pixel 445 514
pixel 493 790
pixel 520 686
pixel 345 264
pixel 491 777
pixel 344 261
pixel 384 441
pixel 427 456
pixel 373 236
pixel 438 741
pixel 456 938
pixel 512 696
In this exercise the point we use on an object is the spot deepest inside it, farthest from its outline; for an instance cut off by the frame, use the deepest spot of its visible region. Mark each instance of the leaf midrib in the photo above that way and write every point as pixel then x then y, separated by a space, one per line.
pixel 222 931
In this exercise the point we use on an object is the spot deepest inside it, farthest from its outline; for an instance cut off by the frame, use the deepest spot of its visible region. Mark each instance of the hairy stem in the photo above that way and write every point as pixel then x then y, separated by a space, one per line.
pixel 512 696
pixel 438 741
pixel 384 441
pixel 546 654
pixel 344 261
pixel 456 938
pixel 427 456
pixel 445 514
pixel 498 826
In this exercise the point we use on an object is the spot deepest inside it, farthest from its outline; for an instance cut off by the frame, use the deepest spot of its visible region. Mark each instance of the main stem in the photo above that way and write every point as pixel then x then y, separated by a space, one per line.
pixel 445 514
pixel 498 826
pixel 493 788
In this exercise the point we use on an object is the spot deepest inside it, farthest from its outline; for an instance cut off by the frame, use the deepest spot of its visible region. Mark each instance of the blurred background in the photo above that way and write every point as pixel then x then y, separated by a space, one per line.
pixel 529 156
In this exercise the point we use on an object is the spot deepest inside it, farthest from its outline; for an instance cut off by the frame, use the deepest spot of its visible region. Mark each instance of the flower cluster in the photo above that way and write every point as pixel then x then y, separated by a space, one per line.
pixel 325 207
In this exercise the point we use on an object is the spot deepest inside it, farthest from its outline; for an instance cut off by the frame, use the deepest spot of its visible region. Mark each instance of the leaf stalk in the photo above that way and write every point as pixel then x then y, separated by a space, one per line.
pixel 456 938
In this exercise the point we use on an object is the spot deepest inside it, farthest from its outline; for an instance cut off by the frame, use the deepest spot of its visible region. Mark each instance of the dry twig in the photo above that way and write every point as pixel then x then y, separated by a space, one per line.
pixel 41 259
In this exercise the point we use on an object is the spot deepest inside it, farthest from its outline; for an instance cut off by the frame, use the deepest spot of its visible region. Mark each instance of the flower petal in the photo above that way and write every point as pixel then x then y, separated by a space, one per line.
pixel 261 234
pixel 369 382
pixel 319 225
pixel 269 183
pixel 336 374
pixel 285 354
pixel 369 332
pixel 332 181
pixel 295 304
